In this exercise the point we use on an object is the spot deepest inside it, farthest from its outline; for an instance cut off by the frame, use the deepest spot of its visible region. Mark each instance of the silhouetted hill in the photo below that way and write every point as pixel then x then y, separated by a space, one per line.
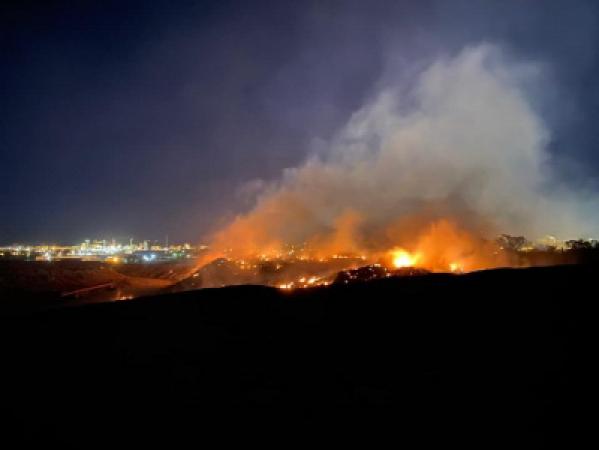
pixel 496 358
pixel 33 285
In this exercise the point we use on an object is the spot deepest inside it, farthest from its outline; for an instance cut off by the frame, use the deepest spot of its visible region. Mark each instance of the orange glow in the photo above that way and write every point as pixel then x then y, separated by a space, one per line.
pixel 441 244
pixel 455 267
pixel 445 245
pixel 402 258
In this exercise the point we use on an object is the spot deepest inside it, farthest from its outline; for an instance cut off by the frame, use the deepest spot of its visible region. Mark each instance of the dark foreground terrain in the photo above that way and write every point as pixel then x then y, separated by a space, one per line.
pixel 34 285
pixel 502 358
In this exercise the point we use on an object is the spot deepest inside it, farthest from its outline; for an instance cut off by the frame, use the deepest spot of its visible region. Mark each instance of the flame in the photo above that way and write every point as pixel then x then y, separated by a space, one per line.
pixel 437 245
pixel 402 258
pixel 455 267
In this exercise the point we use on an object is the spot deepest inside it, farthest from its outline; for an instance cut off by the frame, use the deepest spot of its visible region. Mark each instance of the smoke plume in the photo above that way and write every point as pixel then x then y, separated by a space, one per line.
pixel 436 165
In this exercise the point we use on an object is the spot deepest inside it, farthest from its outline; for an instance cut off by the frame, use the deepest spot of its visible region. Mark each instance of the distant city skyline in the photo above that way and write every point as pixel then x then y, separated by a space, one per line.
pixel 145 251
pixel 78 241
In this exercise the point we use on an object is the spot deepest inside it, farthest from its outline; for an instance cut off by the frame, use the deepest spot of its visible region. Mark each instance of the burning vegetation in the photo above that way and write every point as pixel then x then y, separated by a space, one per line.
pixel 442 247
pixel 421 179
pixel 298 267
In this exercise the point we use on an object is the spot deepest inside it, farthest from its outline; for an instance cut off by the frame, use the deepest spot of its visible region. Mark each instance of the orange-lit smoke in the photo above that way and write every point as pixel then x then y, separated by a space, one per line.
pixel 438 245
pixel 443 246
pixel 438 179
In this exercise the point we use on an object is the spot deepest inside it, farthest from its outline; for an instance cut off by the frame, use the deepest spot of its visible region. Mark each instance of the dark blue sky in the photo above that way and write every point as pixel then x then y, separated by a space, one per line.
pixel 145 118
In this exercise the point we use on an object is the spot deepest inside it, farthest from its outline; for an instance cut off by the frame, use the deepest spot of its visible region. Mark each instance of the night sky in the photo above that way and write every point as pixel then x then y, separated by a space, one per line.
pixel 141 119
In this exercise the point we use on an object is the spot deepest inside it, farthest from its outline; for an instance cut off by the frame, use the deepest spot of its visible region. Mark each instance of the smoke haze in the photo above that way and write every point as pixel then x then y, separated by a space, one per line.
pixel 133 119
pixel 441 162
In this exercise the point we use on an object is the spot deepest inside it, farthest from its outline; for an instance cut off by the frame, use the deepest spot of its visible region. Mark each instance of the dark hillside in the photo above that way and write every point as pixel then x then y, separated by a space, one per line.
pixel 500 357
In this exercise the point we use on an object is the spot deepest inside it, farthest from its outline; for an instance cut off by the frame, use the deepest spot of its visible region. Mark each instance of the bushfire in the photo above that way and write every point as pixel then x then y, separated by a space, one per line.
pixel 440 247
pixel 402 258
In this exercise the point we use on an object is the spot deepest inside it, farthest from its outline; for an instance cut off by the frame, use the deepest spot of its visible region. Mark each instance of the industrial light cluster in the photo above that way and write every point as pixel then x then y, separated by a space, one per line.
pixel 104 250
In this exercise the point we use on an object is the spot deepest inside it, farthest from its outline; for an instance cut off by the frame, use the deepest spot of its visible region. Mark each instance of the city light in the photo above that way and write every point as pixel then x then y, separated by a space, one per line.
pixel 103 250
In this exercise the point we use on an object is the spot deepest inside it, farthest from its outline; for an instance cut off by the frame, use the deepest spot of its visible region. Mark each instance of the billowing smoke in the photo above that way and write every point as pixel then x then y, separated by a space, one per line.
pixel 436 165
